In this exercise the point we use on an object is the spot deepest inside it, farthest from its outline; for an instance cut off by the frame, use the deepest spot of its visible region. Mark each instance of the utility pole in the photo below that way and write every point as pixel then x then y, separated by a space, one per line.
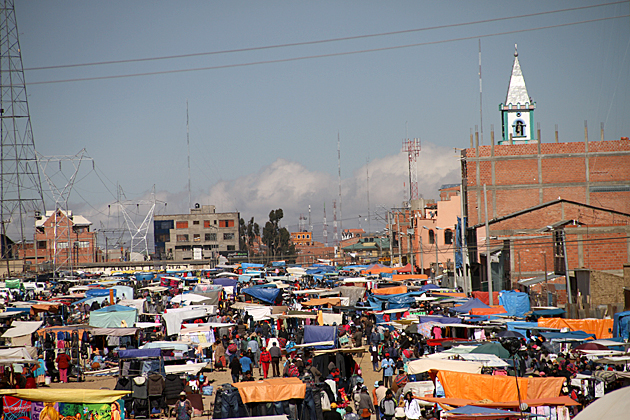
pixel 488 262
pixel 462 231
pixel 391 239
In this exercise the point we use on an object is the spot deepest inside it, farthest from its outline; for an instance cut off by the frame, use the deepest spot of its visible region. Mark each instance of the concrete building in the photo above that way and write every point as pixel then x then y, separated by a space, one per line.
pixel 200 235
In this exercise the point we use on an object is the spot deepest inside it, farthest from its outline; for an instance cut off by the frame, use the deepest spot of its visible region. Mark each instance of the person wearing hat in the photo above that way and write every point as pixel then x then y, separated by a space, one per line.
pixel 183 408
pixel 387 364
pixel 332 414
pixel 365 406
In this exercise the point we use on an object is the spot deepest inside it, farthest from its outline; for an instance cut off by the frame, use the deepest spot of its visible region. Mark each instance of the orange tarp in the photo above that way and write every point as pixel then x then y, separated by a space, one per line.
pixel 477 387
pixel 271 390
pixel 460 402
pixel 400 277
pixel 485 297
pixel 323 301
pixel 488 311
pixel 449 294
pixel 395 290
pixel 375 269
pixel 602 328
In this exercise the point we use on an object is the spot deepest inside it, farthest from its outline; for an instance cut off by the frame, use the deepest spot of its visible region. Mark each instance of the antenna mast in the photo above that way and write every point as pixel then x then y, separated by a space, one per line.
pixel 339 179
pixel 325 227
pixel 188 143
pixel 480 101
pixel 367 178
pixel 412 147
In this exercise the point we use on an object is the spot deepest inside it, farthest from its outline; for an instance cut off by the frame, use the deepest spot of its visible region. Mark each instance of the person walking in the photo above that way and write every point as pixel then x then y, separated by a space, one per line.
pixel 388 370
pixel 412 408
pixel 365 406
pixel 276 354
pixel 63 363
pixel 388 406
pixel 265 361
pixel 184 407
pixel 235 369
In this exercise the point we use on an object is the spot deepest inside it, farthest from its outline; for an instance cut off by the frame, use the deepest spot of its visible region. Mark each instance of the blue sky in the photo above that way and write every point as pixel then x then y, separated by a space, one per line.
pixel 265 136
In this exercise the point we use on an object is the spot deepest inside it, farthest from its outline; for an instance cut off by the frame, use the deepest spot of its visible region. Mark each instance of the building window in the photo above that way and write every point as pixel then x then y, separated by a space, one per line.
pixel 195 222
pixel 164 224
pixel 62 245
pixel 210 247
pixel 228 236
pixel 197 237
pixel 448 237
pixel 181 225
pixel 211 236
pixel 226 223
pixel 82 244
pixel 231 247
pixel 41 244
pixel 182 238
pixel 163 237
pixel 431 236
pixel 206 223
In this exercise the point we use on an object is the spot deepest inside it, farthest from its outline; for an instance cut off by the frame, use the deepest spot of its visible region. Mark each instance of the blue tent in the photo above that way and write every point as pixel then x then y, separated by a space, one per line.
pixel 98 293
pixel 268 295
pixel 440 319
pixel 547 312
pixel 473 303
pixel 471 410
pixel 515 303
pixel 245 266
pixel 621 324
pixel 139 353
pixel 225 281
pixel 568 336
pixel 429 286
pixel 112 316
pixel 316 334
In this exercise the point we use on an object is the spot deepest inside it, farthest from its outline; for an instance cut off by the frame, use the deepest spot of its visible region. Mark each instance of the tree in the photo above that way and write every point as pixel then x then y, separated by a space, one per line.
pixel 277 239
pixel 248 233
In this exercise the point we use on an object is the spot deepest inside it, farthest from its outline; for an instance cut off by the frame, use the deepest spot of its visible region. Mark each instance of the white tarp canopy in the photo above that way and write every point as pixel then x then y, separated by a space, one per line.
pixel 189 298
pixel 174 317
pixel 20 328
pixel 134 303
pixel 420 389
pixel 330 319
pixel 425 365
pixel 259 312
pixel 612 406
pixel 18 355
pixel 193 368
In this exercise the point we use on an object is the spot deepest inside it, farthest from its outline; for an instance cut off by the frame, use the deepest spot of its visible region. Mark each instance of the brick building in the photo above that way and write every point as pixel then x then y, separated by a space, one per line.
pixel 531 185
pixel 200 235
pixel 61 238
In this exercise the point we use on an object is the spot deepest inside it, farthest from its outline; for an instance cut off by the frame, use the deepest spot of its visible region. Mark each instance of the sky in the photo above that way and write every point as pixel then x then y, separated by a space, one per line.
pixel 263 123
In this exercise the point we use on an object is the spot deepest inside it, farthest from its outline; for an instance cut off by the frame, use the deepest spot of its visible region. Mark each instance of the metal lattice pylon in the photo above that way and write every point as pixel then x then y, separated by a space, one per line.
pixel 52 170
pixel 412 148
pixel 139 233
pixel 21 190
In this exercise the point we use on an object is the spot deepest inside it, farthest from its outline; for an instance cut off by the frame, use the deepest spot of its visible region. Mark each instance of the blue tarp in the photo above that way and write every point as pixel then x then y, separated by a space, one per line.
pixel 440 319
pixel 245 266
pixel 278 263
pixel 520 326
pixel 316 333
pixel 570 335
pixel 138 353
pixel 144 276
pixel 401 300
pixel 473 303
pixel 621 324
pixel 547 312
pixel 268 295
pixel 321 270
pixel 225 281
pixel 515 303
pixel 98 293
pixel 112 317
pixel 429 286
pixel 115 308
pixel 458 242
pixel 481 411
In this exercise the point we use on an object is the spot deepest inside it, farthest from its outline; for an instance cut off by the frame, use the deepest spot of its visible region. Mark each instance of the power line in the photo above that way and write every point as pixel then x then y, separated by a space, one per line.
pixel 321 41
pixel 311 57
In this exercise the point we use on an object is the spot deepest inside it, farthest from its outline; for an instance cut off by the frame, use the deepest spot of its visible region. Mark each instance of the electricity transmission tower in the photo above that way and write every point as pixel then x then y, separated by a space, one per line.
pixel 51 168
pixel 20 189
pixel 140 232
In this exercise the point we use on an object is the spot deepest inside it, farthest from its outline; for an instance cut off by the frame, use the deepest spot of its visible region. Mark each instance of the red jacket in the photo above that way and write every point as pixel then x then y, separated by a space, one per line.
pixel 63 361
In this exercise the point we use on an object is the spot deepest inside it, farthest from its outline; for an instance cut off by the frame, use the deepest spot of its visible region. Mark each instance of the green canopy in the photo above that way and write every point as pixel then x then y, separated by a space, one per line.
pixel 492 348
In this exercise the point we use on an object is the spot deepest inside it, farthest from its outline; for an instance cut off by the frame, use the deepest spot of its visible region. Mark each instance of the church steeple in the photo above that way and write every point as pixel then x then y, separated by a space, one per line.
pixel 517 114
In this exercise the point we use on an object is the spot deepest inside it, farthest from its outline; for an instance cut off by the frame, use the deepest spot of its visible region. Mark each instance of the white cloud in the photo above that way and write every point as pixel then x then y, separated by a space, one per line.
pixel 292 187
